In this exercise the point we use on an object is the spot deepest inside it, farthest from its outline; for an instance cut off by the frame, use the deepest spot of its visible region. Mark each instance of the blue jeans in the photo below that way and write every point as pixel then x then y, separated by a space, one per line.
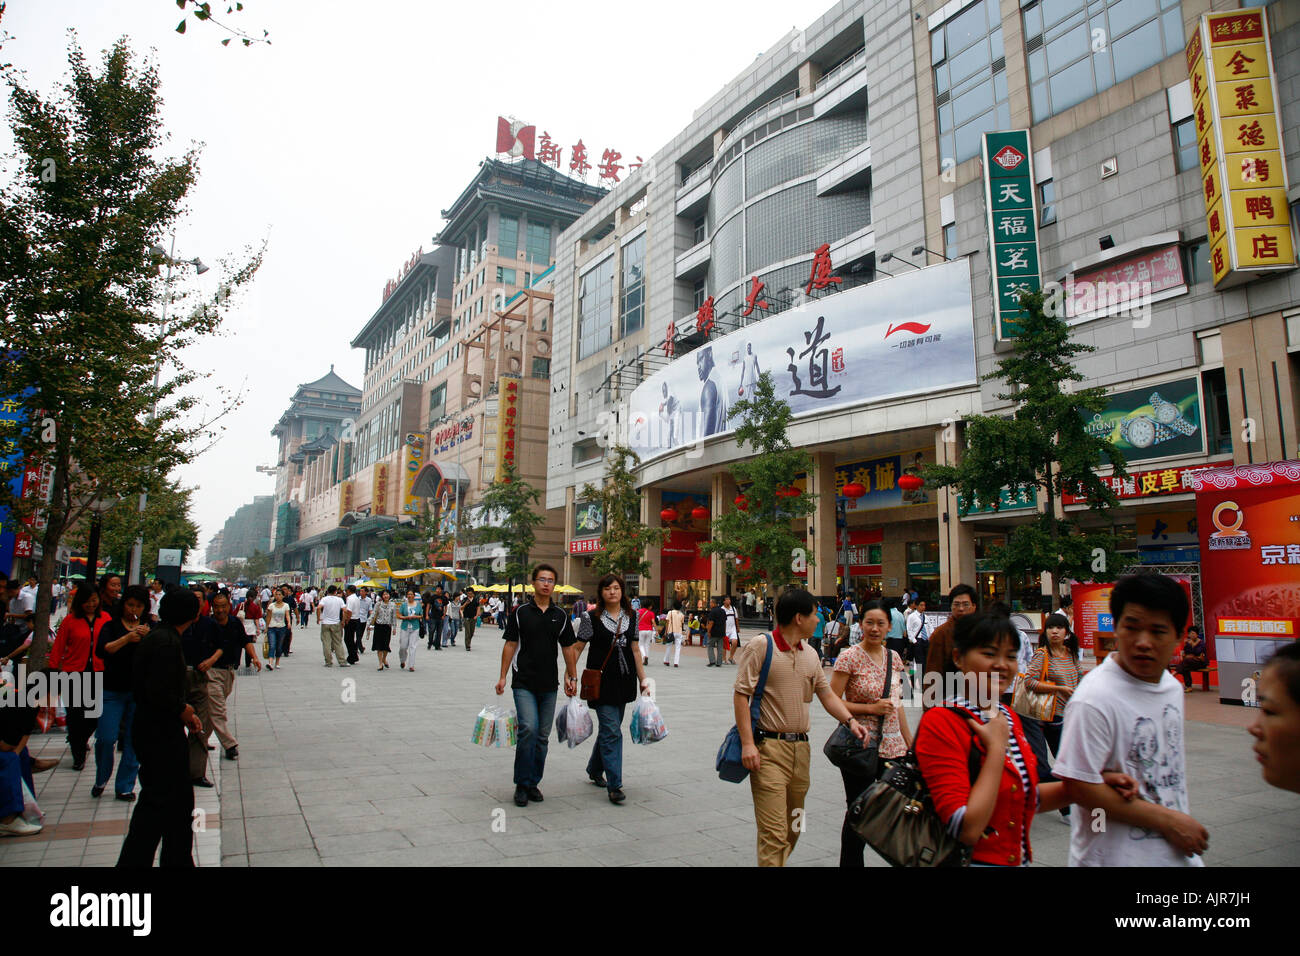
pixel 535 712
pixel 15 768
pixel 453 628
pixel 275 637
pixel 114 723
pixel 607 755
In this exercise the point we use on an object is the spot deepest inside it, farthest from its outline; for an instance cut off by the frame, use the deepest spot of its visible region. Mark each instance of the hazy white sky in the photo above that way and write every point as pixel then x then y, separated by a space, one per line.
pixel 342 140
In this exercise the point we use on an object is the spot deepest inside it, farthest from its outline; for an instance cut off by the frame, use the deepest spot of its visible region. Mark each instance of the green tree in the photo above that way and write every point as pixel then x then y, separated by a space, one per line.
pixel 1043 445
pixel 760 536
pixel 412 545
pixel 508 511
pixel 625 537
pixel 166 523
pixel 80 296
pixel 202 12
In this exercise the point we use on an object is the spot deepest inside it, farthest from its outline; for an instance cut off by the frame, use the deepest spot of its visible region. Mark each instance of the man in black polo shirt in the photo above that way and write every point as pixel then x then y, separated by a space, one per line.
pixel 716 624
pixel 534 631
pixel 202 654
pixel 160 683
pixel 226 632
pixel 436 604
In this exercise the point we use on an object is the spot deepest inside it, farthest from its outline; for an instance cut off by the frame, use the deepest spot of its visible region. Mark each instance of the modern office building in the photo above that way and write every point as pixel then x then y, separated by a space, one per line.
pixel 828 217
pixel 246 532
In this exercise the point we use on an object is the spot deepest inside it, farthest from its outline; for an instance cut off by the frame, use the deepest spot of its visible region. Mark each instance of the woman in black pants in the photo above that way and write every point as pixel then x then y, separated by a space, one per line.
pixel 859 677
pixel 73 652
pixel 1054 667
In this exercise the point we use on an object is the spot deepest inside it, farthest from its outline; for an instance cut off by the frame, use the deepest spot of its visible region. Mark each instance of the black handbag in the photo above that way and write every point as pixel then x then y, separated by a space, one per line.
pixel 847 752
pixel 896 817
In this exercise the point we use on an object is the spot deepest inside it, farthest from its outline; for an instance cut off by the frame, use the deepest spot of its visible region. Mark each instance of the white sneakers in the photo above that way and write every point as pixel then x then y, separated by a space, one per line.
pixel 18 827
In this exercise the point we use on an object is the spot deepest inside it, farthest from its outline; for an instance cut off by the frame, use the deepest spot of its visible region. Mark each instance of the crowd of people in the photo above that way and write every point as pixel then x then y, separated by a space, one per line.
pixel 1108 739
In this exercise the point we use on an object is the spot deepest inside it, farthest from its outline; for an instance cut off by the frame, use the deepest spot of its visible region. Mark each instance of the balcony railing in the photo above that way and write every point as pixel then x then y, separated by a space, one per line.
pixel 843 69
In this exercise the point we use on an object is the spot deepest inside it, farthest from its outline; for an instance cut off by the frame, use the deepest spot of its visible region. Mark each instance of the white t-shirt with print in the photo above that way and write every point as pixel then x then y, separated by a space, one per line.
pixel 331 609
pixel 1115 722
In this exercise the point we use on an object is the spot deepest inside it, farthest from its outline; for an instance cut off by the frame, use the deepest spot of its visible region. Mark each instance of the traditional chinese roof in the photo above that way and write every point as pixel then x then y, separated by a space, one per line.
pixel 329 382
pixel 530 184
pixel 439 264
pixel 1247 476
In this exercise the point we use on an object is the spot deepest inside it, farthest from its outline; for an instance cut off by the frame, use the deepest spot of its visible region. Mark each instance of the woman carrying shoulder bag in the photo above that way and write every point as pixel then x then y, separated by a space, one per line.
pixel 610 633
pixel 972 752
pixel 859 678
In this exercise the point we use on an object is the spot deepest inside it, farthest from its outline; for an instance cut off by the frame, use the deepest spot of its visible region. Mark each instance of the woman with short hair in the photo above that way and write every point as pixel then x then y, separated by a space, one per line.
pixel 73 652
pixel 116 646
pixel 1276 727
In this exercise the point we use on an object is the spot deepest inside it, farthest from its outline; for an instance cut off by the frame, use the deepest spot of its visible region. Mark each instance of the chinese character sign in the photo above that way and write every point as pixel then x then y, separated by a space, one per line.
pixel 910 335
pixel 509 392
pixel 1013 225
pixel 1243 175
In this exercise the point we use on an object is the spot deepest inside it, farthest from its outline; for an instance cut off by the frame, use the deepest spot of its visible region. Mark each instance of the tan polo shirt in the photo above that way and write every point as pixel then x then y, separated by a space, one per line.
pixel 795 676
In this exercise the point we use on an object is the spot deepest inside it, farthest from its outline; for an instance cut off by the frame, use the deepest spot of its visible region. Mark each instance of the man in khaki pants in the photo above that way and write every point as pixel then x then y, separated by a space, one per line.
pixel 777 752
pixel 227 633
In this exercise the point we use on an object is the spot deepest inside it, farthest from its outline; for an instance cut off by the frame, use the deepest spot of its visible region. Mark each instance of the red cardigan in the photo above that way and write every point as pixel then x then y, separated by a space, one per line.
pixel 943 752
pixel 73 644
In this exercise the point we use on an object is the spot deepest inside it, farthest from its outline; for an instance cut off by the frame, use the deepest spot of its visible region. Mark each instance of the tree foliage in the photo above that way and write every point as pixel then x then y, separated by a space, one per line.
pixel 625 537
pixel 202 13
pixel 1043 446
pixel 509 511
pixel 761 536
pixel 413 545
pixel 81 294
pixel 165 523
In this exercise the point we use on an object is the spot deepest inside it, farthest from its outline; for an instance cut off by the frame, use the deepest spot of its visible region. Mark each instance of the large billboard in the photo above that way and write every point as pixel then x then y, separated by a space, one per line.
pixel 1153 422
pixel 1250 568
pixel 909 335
pixel 412 462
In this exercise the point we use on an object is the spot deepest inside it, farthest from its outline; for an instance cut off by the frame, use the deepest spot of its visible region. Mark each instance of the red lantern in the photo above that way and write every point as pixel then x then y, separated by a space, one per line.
pixel 700 513
pixel 853 490
pixel 669 515
pixel 741 502
pixel 910 482
pixel 788 491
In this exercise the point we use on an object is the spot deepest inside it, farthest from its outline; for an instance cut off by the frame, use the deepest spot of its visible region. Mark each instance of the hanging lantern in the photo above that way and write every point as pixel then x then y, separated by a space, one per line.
pixel 854 490
pixel 700 513
pixel 669 515
pixel 741 502
pixel 910 482
pixel 788 491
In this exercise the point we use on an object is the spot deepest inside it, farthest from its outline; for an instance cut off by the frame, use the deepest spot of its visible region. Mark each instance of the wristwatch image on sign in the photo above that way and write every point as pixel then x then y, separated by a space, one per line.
pixel 1167 413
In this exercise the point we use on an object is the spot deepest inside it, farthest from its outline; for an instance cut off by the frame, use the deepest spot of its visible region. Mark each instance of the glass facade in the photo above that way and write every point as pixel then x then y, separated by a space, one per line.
pixel 595 308
pixel 507 237
pixel 632 295
pixel 970 80
pixel 1076 49
pixel 539 242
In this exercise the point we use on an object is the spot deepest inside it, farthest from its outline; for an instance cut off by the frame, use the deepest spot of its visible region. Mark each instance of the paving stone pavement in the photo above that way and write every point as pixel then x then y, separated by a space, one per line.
pixel 354 767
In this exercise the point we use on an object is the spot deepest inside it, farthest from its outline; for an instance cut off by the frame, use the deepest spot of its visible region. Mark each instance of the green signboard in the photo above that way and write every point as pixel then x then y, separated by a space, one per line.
pixel 1158 421
pixel 1013 225
pixel 1009 500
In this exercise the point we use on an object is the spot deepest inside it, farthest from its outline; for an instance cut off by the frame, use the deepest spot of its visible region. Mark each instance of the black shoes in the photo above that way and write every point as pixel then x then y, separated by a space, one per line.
pixel 232 753
pixel 127 797
pixel 535 795
pixel 617 796
pixel 598 781
pixel 96 792
pixel 202 782
pixel 521 796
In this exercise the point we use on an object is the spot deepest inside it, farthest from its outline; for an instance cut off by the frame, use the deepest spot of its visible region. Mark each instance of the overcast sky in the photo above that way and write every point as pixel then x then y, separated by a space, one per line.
pixel 342 140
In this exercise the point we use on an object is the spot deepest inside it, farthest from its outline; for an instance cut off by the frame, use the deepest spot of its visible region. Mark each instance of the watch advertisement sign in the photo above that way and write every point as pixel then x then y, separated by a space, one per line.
pixel 910 335
pixel 588 518
pixel 1154 422
pixel 1250 568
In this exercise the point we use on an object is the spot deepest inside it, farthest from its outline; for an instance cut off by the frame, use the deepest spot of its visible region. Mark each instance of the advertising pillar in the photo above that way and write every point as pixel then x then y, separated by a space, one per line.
pixel 1248 517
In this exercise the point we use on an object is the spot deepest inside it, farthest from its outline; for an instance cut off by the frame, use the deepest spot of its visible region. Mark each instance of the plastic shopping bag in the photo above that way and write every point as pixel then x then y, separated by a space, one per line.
pixel 648 725
pixel 31 812
pixel 573 725
pixel 505 728
pixel 484 727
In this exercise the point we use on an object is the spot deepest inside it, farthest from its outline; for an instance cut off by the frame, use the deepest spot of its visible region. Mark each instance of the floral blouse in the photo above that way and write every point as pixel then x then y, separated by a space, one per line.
pixel 865 686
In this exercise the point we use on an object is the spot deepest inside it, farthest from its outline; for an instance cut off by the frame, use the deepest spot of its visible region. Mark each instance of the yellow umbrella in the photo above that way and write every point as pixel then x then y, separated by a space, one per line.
pixel 567 589
pixel 494 589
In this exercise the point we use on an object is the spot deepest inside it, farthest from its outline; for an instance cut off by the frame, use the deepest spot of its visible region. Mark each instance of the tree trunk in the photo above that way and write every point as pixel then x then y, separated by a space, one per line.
pixel 54 528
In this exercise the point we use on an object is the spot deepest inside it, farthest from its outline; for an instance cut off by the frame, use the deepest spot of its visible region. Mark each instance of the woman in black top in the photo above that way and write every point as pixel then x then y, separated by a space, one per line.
pixel 116 646
pixel 610 632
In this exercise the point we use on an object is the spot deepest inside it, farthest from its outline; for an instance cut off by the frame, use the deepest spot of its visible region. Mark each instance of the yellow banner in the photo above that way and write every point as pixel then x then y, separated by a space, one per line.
pixel 1259 207
pixel 1221 259
pixel 412 462
pixel 345 498
pixel 1244 97
pixel 1240 61
pixel 1208 153
pixel 379 490
pixel 1216 225
pixel 1264 246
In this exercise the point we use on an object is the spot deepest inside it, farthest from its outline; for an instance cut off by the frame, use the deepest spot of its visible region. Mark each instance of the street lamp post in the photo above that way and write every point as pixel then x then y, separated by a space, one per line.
pixel 97 509
pixel 133 575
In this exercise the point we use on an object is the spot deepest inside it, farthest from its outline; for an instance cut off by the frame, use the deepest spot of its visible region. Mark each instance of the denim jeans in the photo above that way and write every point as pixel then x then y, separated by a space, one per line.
pixel 115 724
pixel 535 712
pixel 15 769
pixel 607 754
pixel 274 637
pixel 453 628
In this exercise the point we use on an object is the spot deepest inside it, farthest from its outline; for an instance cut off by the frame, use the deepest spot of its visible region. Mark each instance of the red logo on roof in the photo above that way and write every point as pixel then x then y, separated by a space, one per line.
pixel 1008 157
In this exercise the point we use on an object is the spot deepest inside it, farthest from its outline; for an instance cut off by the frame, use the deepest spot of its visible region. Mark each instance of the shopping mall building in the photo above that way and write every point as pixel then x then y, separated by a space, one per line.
pixel 829 217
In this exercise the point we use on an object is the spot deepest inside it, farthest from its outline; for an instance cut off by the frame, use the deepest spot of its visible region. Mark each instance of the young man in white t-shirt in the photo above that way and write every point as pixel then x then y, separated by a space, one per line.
pixel 329 615
pixel 1127 716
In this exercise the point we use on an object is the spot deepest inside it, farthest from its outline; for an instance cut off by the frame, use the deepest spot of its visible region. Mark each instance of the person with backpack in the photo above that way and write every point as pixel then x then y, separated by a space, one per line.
pixel 776 752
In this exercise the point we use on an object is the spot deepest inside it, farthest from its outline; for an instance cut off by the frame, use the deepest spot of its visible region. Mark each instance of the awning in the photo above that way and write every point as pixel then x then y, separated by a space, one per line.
pixel 439 476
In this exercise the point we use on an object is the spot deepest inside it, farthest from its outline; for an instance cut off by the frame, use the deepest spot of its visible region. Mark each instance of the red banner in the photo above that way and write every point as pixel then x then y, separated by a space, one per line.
pixel 1148 484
